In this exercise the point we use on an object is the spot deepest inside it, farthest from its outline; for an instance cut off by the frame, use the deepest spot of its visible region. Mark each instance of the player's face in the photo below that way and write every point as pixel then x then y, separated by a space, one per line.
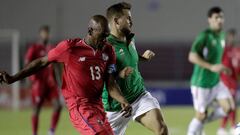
pixel 124 23
pixel 100 33
pixel 44 35
pixel 216 21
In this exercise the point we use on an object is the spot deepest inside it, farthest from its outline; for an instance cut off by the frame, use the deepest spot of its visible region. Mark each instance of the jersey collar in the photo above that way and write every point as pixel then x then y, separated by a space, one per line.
pixel 114 39
pixel 215 33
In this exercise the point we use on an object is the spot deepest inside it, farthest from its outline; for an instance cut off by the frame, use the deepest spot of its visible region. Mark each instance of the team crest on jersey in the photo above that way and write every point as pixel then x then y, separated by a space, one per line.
pixel 105 57
pixel 205 52
pixel 223 43
pixel 82 59
pixel 121 52
pixel 214 42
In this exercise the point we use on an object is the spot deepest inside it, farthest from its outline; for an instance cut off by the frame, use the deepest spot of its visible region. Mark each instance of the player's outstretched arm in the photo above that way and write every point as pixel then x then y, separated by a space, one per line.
pixel 29 69
pixel 147 55
pixel 218 68
pixel 115 92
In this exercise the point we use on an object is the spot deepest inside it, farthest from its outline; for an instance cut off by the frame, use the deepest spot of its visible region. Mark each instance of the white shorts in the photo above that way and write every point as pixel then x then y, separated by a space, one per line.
pixel 143 104
pixel 203 97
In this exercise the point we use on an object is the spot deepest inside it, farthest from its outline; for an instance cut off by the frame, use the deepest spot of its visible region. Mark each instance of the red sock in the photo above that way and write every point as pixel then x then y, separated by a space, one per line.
pixel 34 124
pixel 55 118
pixel 233 117
pixel 224 122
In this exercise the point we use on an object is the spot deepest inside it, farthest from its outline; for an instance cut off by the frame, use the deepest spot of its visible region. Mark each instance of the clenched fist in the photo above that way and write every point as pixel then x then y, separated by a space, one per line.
pixel 148 54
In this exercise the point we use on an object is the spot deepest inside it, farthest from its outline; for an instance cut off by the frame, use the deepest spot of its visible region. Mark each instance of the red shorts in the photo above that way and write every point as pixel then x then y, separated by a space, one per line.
pixel 42 90
pixel 90 120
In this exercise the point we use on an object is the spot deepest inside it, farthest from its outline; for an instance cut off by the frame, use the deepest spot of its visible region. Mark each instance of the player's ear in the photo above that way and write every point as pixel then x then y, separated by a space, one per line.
pixel 90 30
pixel 115 20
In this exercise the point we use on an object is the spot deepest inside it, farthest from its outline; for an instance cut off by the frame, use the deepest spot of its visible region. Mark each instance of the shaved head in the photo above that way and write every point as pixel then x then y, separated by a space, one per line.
pixel 97 29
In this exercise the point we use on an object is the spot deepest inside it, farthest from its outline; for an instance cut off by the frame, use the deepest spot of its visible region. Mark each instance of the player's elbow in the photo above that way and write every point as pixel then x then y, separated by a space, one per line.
pixel 41 62
pixel 192 57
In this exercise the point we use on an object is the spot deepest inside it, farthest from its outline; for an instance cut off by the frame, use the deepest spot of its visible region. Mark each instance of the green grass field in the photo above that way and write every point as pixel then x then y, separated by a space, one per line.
pixel 18 123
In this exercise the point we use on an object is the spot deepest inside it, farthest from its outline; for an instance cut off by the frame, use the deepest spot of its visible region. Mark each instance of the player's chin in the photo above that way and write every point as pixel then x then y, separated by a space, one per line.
pixel 101 41
pixel 129 29
pixel 220 26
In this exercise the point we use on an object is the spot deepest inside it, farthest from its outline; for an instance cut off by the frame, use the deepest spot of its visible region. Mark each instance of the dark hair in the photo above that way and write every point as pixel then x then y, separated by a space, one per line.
pixel 44 28
pixel 117 9
pixel 232 31
pixel 214 10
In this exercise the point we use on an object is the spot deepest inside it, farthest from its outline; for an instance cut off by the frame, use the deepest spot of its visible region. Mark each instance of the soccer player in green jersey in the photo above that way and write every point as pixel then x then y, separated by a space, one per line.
pixel 206 87
pixel 146 109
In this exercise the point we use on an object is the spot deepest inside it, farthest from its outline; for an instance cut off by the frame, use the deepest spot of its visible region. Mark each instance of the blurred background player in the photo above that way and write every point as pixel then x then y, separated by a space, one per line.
pixel 43 83
pixel 146 109
pixel 206 55
pixel 88 63
pixel 229 59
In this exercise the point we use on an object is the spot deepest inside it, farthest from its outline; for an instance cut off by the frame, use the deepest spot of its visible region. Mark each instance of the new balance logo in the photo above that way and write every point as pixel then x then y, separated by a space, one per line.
pixel 82 59
pixel 105 57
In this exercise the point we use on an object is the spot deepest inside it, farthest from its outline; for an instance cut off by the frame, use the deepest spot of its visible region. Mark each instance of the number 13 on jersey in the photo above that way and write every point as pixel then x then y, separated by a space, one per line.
pixel 95 72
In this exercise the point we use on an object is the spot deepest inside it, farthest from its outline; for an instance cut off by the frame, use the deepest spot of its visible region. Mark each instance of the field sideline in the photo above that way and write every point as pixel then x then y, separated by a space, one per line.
pixel 18 123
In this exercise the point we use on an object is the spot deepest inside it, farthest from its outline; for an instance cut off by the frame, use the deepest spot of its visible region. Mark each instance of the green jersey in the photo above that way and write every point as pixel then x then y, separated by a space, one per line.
pixel 209 46
pixel 132 86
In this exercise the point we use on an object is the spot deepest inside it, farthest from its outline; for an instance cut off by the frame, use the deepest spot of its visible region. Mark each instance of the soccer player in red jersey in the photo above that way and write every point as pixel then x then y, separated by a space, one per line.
pixel 88 63
pixel 231 61
pixel 43 83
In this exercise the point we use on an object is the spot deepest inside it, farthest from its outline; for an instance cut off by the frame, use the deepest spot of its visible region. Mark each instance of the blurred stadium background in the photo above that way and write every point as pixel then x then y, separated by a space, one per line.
pixel 167 27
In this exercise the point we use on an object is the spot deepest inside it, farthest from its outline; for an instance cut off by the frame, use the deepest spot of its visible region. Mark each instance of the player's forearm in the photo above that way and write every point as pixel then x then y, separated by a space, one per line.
pixel 196 59
pixel 30 69
pixel 115 92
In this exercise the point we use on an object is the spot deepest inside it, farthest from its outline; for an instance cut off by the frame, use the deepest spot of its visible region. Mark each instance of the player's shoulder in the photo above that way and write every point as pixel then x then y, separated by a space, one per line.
pixel 203 34
pixel 68 43
pixel 73 41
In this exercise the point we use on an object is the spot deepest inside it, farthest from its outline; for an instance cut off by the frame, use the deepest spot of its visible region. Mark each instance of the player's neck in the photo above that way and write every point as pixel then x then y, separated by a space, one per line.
pixel 89 41
pixel 120 36
pixel 217 31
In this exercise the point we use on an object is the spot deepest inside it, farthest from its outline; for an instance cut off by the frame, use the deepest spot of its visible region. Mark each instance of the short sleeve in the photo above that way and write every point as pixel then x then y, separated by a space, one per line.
pixel 59 53
pixel 112 60
pixel 112 56
pixel 199 43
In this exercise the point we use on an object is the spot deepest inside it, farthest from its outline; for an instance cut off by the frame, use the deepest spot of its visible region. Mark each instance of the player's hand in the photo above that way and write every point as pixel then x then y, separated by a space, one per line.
pixel 125 72
pixel 218 68
pixel 148 54
pixel 126 110
pixel 5 78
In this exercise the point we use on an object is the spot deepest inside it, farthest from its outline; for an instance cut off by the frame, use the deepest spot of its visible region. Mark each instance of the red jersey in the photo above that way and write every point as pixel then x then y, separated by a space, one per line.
pixel 232 61
pixel 85 70
pixel 36 51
